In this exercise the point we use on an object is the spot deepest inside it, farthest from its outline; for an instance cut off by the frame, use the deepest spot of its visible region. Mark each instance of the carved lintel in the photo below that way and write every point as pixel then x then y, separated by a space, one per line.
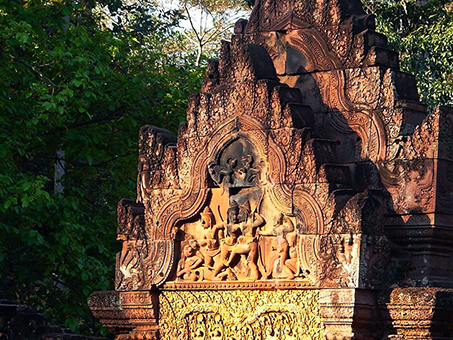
pixel 241 315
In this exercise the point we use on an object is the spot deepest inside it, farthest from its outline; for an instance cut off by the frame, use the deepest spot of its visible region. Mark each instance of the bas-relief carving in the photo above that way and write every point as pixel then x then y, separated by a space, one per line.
pixel 246 226
pixel 242 235
pixel 131 230
pixel 240 248
pixel 304 134
pixel 239 236
pixel 240 315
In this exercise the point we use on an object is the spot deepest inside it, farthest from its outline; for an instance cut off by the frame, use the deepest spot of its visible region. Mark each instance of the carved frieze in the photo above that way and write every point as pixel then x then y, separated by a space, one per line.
pixel 240 315
pixel 251 197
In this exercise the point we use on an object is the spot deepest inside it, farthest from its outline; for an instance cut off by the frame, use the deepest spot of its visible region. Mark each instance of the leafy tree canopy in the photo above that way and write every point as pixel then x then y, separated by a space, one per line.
pixel 422 31
pixel 206 23
pixel 69 87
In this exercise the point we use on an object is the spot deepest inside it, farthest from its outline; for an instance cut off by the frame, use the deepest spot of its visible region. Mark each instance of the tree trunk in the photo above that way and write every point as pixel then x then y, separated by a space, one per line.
pixel 199 54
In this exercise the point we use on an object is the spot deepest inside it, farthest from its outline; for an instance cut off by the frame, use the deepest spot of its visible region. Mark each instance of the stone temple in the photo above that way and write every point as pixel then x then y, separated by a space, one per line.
pixel 308 196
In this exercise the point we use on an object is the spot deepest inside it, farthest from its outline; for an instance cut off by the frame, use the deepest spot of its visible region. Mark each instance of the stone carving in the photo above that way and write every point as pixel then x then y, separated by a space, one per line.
pixel 417 312
pixel 238 191
pixel 231 171
pixel 228 250
pixel 131 230
pixel 305 161
pixel 156 163
pixel 191 260
pixel 243 314
pixel 287 264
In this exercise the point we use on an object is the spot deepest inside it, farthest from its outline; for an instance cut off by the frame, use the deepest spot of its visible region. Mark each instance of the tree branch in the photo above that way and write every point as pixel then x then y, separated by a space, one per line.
pixel 31 67
pixel 102 119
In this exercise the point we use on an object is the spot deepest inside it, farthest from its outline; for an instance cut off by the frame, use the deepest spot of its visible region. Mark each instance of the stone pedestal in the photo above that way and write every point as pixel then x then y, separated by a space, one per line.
pixel 130 315
pixel 418 313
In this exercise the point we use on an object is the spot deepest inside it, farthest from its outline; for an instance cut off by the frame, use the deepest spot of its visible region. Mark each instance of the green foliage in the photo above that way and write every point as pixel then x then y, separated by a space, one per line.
pixel 66 84
pixel 69 83
pixel 219 5
pixel 423 34
pixel 207 23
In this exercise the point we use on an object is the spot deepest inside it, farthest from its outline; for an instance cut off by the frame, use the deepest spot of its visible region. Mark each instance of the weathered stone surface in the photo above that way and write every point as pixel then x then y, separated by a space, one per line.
pixel 130 315
pixel 417 313
pixel 307 169
pixel 243 314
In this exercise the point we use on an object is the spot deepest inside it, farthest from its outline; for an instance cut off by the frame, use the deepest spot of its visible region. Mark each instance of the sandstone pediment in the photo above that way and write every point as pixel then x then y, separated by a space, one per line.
pixel 308 166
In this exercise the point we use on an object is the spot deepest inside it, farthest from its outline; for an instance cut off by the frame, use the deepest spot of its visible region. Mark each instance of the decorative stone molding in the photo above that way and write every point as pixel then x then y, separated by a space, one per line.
pixel 418 313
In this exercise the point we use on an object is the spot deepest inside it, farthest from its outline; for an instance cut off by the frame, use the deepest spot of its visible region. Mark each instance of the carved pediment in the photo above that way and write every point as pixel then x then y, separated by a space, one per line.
pixel 248 191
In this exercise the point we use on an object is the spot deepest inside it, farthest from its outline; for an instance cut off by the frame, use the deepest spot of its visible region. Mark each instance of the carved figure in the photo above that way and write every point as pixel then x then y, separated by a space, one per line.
pixel 211 234
pixel 227 242
pixel 223 176
pixel 247 243
pixel 235 166
pixel 287 264
pixel 286 240
pixel 248 173
pixel 145 177
pixel 191 259
pixel 288 333
pixel 134 250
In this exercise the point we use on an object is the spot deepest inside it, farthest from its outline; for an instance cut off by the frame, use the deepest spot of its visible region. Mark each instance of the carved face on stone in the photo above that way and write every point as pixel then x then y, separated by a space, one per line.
pixel 233 213
pixel 189 251
pixel 207 218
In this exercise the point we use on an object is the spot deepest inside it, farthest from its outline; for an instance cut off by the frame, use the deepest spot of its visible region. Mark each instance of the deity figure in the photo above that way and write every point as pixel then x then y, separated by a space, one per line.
pixel 146 176
pixel 286 237
pixel 236 168
pixel 247 242
pixel 228 241
pixel 249 173
pixel 210 236
pixel 223 176
pixel 191 259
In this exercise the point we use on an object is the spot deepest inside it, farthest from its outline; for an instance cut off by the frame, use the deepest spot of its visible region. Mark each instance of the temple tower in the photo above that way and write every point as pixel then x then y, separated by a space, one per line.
pixel 308 195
